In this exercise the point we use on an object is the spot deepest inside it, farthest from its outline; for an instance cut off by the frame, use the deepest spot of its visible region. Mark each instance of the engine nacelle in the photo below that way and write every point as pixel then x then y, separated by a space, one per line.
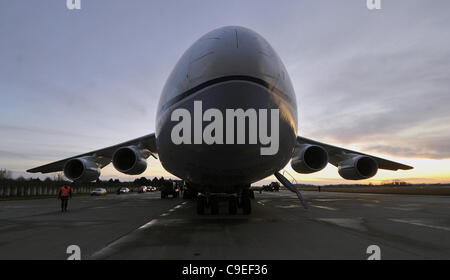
pixel 130 160
pixel 309 159
pixel 358 168
pixel 81 169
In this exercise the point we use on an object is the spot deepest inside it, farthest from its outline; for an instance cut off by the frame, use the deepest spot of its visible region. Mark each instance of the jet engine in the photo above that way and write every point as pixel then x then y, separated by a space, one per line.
pixel 130 160
pixel 358 167
pixel 309 159
pixel 81 169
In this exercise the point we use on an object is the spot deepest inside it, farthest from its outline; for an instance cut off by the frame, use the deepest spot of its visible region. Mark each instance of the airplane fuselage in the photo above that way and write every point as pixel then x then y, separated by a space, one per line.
pixel 230 69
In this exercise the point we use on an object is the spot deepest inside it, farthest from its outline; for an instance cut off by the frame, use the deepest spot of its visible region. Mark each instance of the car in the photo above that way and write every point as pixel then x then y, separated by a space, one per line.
pixel 99 191
pixel 124 190
pixel 143 189
pixel 169 188
pixel 153 189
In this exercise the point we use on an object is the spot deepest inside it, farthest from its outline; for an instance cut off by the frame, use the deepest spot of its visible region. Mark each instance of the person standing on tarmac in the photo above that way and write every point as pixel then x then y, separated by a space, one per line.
pixel 65 192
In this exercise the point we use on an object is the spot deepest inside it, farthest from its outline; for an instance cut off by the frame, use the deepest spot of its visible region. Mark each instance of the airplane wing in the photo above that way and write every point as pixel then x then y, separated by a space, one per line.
pixel 337 154
pixel 102 156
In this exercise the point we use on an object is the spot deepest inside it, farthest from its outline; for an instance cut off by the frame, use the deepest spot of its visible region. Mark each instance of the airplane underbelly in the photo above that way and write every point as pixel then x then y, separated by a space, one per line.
pixel 227 155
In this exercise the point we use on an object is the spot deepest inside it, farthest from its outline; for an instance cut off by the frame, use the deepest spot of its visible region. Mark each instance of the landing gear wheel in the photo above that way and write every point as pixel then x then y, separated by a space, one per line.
pixel 232 205
pixel 252 194
pixel 246 203
pixel 201 204
pixel 214 203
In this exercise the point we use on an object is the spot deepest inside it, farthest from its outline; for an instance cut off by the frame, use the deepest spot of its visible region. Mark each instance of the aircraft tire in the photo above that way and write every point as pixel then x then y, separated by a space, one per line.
pixel 214 205
pixel 232 205
pixel 246 204
pixel 201 205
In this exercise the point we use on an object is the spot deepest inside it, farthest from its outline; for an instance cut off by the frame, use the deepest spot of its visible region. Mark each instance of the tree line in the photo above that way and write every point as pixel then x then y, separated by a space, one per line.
pixel 59 180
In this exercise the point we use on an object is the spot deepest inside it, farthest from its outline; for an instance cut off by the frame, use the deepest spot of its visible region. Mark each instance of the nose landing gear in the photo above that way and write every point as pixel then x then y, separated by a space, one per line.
pixel 201 204
pixel 246 203
pixel 232 205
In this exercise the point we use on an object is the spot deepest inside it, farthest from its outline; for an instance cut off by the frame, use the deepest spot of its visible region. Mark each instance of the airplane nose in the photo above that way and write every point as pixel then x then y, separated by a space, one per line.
pixel 230 51
pixel 233 51
pixel 231 69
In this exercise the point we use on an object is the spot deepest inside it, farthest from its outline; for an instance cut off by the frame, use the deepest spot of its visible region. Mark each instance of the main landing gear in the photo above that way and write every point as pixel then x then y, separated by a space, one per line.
pixel 212 202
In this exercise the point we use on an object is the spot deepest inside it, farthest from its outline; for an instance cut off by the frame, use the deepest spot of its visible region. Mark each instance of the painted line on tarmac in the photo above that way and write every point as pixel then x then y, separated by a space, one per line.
pixel 114 246
pixel 421 223
pixel 403 208
pixel 172 210
pixel 351 223
pixel 324 207
pixel 149 224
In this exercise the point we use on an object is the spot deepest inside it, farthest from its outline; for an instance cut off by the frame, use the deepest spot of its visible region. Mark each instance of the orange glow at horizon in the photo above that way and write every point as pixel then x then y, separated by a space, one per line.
pixel 427 171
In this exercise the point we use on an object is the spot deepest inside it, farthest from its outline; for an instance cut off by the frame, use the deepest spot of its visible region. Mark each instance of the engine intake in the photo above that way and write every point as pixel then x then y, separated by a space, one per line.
pixel 81 169
pixel 130 160
pixel 309 159
pixel 358 168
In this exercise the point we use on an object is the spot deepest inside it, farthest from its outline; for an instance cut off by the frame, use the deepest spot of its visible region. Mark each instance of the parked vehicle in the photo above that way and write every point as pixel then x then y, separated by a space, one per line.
pixel 124 190
pixel 99 191
pixel 143 189
pixel 169 188
pixel 272 187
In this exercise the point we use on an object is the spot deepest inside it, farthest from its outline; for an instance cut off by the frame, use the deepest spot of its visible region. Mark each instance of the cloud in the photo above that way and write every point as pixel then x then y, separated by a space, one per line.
pixel 388 85
pixel 433 148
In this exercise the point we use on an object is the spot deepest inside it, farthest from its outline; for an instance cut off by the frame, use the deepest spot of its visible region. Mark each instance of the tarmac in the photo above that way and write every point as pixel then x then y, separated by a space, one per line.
pixel 144 226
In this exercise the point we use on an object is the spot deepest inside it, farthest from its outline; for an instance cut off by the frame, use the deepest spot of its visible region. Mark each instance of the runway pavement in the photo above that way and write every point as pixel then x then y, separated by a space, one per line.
pixel 142 226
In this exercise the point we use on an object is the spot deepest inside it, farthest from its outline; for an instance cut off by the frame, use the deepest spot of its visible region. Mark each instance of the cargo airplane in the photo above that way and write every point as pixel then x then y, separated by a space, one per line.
pixel 229 77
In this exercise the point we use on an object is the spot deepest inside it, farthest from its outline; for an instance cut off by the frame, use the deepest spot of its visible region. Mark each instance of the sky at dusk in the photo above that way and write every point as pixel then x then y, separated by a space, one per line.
pixel 377 81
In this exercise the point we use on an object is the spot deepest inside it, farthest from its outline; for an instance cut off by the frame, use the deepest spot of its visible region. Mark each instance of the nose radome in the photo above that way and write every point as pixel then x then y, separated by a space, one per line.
pixel 224 52
pixel 232 50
